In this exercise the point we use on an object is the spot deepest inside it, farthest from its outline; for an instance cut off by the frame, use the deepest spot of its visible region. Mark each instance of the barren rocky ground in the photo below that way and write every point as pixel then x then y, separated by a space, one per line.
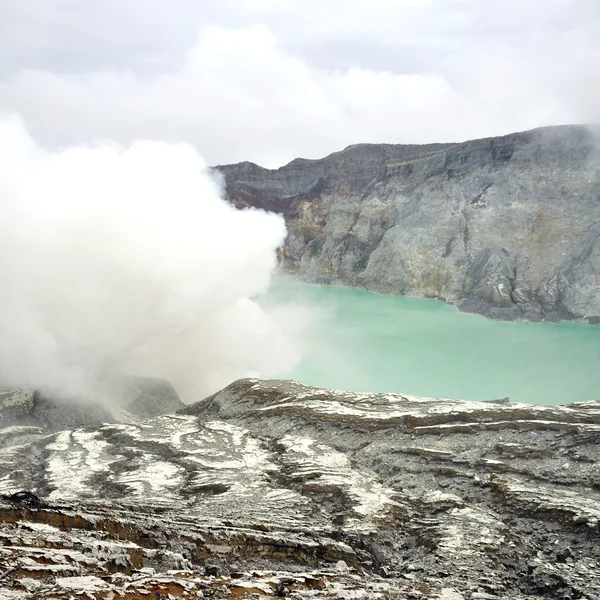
pixel 274 488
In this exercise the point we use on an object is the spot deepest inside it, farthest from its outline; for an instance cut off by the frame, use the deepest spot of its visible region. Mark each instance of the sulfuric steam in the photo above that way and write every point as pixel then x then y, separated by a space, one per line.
pixel 128 261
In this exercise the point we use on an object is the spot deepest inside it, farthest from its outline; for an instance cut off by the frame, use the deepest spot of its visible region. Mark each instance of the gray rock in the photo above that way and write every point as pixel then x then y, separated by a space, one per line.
pixel 51 412
pixel 278 488
pixel 117 400
pixel 508 227
pixel 143 397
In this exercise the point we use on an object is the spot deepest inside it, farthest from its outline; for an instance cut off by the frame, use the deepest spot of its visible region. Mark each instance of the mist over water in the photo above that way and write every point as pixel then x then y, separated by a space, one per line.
pixel 126 260
pixel 367 342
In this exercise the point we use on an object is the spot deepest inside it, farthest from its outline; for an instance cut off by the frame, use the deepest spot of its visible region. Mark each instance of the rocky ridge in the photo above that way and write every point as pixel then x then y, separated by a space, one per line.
pixel 508 227
pixel 274 488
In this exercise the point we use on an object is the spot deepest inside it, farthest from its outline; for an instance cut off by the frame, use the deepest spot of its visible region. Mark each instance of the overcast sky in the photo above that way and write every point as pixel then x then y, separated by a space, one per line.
pixel 269 80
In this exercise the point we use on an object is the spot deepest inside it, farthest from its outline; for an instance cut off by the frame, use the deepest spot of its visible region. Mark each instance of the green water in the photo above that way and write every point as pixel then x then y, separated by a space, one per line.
pixel 365 342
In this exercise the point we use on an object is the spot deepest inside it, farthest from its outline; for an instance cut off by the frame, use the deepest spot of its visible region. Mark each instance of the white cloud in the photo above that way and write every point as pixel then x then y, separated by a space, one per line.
pixel 238 95
pixel 127 260
pixel 269 81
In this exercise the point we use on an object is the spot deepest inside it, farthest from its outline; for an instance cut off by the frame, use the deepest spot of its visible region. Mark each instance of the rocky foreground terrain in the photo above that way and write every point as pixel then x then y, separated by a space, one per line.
pixel 277 489
pixel 508 227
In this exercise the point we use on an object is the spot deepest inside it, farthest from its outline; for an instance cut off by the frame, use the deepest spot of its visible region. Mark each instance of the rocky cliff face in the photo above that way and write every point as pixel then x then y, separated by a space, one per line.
pixel 272 489
pixel 508 227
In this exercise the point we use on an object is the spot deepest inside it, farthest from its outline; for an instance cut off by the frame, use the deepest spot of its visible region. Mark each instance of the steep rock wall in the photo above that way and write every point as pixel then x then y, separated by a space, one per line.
pixel 508 227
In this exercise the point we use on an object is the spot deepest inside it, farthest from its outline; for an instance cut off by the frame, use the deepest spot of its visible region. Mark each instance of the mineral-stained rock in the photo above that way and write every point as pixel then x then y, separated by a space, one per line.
pixel 508 227
pixel 275 488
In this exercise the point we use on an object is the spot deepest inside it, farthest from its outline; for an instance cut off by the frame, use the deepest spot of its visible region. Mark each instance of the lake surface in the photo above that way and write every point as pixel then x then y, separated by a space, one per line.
pixel 366 342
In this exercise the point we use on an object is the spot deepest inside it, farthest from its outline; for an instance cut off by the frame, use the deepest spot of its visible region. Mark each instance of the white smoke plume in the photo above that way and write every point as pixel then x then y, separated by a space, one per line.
pixel 127 260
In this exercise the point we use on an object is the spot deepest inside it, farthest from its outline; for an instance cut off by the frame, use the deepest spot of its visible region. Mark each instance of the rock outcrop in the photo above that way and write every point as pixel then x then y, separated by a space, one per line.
pixel 116 400
pixel 508 227
pixel 274 488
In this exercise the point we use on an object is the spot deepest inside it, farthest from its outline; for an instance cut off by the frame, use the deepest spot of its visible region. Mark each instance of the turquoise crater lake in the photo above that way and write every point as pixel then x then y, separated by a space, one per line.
pixel 361 341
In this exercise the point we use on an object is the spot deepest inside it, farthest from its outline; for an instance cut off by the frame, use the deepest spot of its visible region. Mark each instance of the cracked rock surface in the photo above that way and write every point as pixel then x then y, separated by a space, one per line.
pixel 274 488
